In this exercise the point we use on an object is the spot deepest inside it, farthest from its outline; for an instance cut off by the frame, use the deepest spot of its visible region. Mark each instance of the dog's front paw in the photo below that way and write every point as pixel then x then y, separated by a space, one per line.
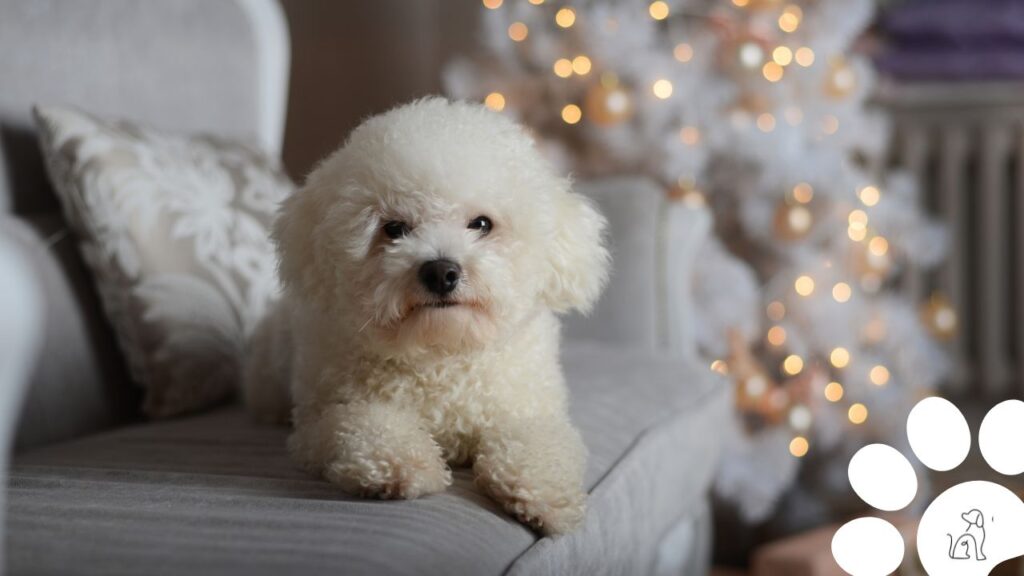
pixel 558 516
pixel 371 450
pixel 388 479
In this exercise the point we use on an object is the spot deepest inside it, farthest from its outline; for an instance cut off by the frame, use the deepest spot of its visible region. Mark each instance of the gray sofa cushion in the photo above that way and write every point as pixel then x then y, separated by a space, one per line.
pixel 214 494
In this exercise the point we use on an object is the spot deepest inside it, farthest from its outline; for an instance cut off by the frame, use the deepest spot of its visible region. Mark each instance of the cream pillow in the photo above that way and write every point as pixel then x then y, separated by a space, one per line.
pixel 175 231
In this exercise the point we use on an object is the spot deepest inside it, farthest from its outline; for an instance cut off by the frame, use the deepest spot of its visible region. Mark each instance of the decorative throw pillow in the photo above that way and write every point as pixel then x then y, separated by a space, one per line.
pixel 176 232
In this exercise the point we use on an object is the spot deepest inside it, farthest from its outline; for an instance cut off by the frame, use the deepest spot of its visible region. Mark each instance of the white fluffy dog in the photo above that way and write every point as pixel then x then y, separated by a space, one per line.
pixel 423 263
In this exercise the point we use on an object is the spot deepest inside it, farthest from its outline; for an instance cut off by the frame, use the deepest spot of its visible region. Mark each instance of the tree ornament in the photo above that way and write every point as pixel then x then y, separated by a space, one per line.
pixel 792 221
pixel 870 261
pixel 940 317
pixel 686 191
pixel 608 105
pixel 841 80
pixel 753 103
pixel 757 396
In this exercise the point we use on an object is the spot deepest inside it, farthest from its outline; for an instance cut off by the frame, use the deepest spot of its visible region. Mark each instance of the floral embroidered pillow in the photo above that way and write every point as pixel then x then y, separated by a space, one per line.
pixel 176 232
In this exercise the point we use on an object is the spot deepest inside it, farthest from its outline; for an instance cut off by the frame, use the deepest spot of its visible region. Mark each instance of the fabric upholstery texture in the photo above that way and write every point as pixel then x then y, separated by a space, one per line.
pixel 187 65
pixel 214 494
pixel 175 231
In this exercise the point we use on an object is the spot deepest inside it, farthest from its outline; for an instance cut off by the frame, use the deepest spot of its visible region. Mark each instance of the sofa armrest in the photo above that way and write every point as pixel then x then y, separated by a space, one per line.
pixel 21 308
pixel 654 243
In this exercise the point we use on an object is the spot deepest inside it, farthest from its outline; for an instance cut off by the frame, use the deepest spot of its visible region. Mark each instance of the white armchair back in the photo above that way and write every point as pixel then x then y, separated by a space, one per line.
pixel 654 242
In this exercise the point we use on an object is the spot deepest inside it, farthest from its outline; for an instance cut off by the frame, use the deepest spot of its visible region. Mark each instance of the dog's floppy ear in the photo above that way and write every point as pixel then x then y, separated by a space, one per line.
pixel 577 259
pixel 299 254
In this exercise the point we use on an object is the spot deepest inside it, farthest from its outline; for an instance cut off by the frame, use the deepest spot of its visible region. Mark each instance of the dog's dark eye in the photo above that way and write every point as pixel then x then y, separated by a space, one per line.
pixel 481 223
pixel 395 229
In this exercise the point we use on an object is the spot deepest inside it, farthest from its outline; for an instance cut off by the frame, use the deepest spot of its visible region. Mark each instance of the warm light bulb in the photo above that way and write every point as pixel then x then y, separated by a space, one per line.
pixel 581 65
pixel 799 446
pixel 776 311
pixel 683 52
pixel 782 55
pixel 841 292
pixel 565 17
pixel 840 357
pixel 858 219
pixel 563 67
pixel 834 392
pixel 740 3
pixel 879 375
pixel 869 195
pixel 518 31
pixel 571 114
pixel 720 366
pixel 536 2
pixel 658 10
pixel 857 413
pixel 772 71
pixel 803 193
pixel 662 88
pixel 804 56
pixel 789 20
pixel 492 4
pixel 793 365
pixel 766 122
pixel 804 285
pixel 495 101
pixel 878 246
pixel 776 335
pixel 857 233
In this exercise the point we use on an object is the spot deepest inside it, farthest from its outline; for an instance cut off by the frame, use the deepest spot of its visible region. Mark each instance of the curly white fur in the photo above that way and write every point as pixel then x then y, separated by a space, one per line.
pixel 387 390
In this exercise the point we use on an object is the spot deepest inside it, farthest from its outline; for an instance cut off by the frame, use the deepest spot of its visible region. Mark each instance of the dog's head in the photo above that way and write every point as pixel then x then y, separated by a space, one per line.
pixel 974 517
pixel 439 225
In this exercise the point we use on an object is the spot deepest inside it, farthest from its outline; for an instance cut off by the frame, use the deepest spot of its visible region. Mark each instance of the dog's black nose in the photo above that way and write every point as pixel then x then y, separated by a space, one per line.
pixel 440 276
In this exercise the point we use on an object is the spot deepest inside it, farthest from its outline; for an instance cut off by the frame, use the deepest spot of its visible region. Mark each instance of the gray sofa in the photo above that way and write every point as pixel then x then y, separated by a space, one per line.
pixel 92 488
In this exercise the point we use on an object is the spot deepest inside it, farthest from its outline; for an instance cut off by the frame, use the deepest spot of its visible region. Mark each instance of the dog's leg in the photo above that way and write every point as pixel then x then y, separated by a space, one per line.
pixel 534 469
pixel 371 450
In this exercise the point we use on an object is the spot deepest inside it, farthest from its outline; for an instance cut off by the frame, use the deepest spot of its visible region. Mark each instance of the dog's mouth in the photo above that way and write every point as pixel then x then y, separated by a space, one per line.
pixel 442 304
pixel 437 304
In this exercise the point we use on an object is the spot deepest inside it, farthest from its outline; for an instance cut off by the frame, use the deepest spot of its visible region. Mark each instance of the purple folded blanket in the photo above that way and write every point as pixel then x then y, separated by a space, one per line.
pixel 954 39
pixel 963 23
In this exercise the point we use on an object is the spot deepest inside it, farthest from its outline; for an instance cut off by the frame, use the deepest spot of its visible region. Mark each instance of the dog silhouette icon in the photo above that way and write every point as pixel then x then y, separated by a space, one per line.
pixel 971 543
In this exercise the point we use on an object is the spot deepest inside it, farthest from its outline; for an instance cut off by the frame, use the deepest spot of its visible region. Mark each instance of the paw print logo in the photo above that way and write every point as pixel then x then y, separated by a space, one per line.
pixel 968 529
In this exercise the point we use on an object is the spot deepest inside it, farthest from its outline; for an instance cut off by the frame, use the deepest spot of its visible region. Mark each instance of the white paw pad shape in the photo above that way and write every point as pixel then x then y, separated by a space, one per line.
pixel 967 530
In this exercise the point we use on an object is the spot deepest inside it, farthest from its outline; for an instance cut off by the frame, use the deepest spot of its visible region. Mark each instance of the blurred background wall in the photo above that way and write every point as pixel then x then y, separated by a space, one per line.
pixel 353 59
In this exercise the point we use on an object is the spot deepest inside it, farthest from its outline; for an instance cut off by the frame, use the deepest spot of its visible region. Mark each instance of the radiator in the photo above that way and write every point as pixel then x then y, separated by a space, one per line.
pixel 965 143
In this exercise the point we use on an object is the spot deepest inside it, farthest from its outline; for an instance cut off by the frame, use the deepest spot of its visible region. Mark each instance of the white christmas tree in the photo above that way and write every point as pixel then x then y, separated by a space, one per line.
pixel 756 108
